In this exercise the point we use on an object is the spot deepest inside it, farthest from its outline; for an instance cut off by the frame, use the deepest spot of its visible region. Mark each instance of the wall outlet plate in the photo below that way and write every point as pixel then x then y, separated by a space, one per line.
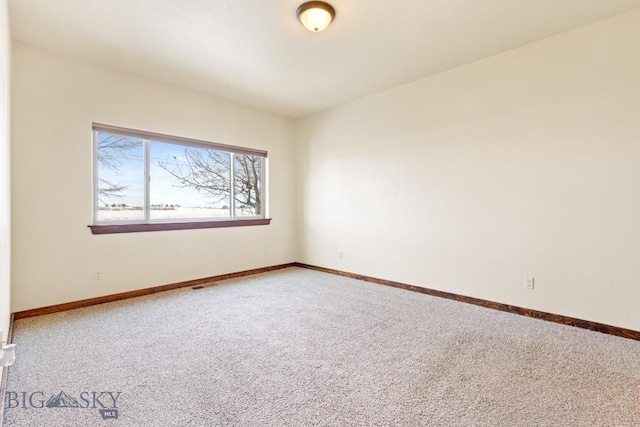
pixel 529 282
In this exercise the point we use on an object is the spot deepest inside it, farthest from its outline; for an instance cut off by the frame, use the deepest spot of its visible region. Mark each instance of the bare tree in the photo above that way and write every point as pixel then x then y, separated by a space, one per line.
pixel 112 150
pixel 247 175
pixel 209 172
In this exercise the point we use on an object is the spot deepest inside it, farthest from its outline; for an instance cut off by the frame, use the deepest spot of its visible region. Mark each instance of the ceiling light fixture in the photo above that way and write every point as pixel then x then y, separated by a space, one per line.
pixel 316 15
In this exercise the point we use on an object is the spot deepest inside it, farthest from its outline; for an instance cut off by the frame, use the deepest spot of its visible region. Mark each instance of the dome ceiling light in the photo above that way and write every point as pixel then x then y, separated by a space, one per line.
pixel 316 15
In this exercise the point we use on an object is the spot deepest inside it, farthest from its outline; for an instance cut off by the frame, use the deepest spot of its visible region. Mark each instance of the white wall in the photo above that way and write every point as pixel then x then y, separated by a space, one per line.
pixel 55 100
pixel 5 197
pixel 526 162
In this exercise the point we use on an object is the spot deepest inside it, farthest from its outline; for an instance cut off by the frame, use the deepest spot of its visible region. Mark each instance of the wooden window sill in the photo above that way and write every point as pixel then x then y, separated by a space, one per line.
pixel 139 228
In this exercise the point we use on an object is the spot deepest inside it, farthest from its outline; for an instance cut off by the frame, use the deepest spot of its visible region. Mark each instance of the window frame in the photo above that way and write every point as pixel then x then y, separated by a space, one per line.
pixel 149 224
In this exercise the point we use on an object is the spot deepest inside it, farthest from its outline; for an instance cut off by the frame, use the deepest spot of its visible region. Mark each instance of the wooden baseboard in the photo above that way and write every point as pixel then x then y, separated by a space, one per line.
pixel 3 383
pixel 556 318
pixel 141 292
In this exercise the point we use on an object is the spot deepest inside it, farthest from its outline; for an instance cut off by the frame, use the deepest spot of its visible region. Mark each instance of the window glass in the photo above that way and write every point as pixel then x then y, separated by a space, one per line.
pixel 145 178
pixel 188 182
pixel 120 178
pixel 247 172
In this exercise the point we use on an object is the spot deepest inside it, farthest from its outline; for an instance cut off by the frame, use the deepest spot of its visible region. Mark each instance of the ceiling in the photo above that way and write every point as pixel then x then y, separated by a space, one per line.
pixel 256 53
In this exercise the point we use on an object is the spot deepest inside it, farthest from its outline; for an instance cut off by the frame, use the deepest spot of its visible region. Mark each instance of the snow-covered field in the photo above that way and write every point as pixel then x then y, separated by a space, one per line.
pixel 117 214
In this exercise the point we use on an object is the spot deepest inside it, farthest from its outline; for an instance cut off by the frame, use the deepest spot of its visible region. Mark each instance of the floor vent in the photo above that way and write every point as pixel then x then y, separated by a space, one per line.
pixel 198 287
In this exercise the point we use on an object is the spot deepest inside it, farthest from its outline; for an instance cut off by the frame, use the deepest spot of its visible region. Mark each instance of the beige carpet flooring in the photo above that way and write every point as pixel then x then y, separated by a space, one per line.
pixel 303 348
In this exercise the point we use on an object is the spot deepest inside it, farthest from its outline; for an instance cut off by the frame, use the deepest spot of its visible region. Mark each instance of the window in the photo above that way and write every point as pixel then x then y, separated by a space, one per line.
pixel 146 182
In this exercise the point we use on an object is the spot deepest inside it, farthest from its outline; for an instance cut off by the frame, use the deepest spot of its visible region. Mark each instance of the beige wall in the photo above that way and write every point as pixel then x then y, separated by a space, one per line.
pixel 524 163
pixel 55 100
pixel 5 197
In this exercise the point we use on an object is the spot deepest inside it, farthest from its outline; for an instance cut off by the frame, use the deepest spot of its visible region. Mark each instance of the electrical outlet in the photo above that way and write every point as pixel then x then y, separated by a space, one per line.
pixel 97 275
pixel 340 254
pixel 529 282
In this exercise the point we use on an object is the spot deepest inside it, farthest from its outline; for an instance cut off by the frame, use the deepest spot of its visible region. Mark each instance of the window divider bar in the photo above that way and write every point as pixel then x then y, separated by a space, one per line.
pixel 147 180
pixel 232 192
